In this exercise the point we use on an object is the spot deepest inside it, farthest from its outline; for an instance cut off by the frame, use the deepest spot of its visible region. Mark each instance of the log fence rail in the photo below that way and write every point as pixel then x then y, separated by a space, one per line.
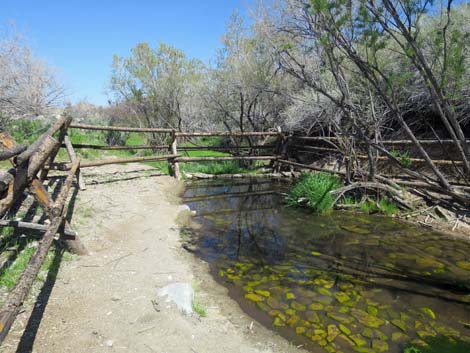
pixel 31 165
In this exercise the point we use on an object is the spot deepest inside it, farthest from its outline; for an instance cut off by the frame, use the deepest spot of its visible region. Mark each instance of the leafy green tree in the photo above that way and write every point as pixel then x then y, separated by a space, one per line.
pixel 158 85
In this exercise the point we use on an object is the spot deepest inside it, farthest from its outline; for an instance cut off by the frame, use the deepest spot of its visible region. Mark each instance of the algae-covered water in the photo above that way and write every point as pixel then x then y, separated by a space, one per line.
pixel 343 282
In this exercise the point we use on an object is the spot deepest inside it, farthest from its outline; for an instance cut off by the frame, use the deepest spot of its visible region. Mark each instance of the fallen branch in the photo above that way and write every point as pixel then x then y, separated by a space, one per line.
pixel 395 194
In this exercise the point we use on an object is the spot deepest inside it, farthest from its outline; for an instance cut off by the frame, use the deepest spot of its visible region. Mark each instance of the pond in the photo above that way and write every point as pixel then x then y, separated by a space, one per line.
pixel 343 282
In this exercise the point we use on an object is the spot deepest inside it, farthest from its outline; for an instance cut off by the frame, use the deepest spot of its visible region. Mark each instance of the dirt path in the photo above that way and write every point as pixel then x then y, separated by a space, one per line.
pixel 103 302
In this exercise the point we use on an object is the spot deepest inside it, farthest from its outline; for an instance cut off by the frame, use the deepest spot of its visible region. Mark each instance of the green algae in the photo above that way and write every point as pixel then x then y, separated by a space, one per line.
pixel 367 319
pixel 428 312
pixel 316 306
pixel 333 332
pixel 464 265
pixel 380 346
pixel 263 293
pixel 307 292
pixel 342 318
pixel 254 297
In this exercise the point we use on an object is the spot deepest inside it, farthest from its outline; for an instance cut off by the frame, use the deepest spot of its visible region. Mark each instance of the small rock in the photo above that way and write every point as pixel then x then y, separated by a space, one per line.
pixel 109 343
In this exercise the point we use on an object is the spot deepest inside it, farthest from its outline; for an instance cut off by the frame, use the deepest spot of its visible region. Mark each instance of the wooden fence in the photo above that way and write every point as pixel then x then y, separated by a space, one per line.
pixel 31 165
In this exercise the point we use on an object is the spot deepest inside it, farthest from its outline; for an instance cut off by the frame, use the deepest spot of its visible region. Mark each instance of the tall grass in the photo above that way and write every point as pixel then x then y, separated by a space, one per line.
pixel 313 191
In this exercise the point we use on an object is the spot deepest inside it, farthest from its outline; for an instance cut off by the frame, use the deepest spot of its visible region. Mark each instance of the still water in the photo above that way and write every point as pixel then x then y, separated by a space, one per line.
pixel 343 282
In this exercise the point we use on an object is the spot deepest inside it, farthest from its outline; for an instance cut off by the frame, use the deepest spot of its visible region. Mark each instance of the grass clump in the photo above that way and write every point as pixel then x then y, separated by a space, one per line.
pixel 383 205
pixel 313 191
pixel 199 309
pixel 403 156
pixel 12 274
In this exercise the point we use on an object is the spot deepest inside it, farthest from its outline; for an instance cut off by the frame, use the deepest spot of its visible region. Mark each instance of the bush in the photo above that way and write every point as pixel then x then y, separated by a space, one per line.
pixel 313 191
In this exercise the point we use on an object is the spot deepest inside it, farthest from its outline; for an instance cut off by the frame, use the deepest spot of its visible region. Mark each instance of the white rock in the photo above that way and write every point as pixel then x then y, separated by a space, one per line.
pixel 181 294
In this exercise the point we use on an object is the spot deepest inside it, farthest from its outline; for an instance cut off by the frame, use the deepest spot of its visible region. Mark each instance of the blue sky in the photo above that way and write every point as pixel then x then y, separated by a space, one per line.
pixel 80 37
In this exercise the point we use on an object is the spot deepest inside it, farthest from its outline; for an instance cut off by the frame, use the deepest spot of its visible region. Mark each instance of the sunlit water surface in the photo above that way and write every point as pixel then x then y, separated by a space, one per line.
pixel 344 282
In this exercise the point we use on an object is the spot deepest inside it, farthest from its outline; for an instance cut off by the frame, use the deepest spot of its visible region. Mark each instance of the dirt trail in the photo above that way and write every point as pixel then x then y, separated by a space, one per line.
pixel 103 302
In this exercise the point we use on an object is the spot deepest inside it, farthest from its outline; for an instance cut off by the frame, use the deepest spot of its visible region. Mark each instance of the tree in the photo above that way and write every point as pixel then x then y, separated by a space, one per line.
pixel 370 61
pixel 157 84
pixel 28 87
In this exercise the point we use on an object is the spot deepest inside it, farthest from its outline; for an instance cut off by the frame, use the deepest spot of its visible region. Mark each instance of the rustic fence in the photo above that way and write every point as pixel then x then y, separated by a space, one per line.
pixel 32 164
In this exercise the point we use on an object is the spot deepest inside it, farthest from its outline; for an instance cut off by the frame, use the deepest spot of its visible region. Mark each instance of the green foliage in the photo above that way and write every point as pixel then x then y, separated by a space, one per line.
pixel 403 157
pixel 383 205
pixel 26 131
pixel 223 167
pixel 388 207
pixel 369 206
pixel 313 191
pixel 11 275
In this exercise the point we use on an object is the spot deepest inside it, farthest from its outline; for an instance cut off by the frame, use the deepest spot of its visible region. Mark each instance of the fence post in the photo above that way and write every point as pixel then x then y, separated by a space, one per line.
pixel 73 157
pixel 174 166
pixel 281 151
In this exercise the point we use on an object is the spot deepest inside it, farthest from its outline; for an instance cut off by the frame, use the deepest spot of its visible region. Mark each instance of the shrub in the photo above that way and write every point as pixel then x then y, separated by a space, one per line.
pixel 313 190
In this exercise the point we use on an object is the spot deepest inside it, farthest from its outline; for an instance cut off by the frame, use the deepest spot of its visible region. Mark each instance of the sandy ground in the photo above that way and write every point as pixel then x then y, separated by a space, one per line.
pixel 103 302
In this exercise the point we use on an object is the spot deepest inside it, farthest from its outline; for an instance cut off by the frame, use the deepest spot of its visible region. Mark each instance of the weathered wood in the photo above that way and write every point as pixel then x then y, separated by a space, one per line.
pixel 42 153
pixel 234 134
pixel 118 148
pixel 28 166
pixel 311 167
pixel 34 226
pixel 228 148
pixel 223 158
pixel 6 179
pixel 66 166
pixel 9 153
pixel 165 147
pixel 309 149
pixel 59 124
pixel 73 158
pixel 417 160
pixel 7 141
pixel 175 167
pixel 229 195
pixel 116 128
pixel 16 297
pixel 385 142
pixel 44 199
pixel 53 155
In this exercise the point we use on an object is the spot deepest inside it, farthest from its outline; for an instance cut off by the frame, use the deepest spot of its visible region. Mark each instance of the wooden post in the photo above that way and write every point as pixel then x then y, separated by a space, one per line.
pixel 175 167
pixel 281 151
pixel 44 199
pixel 73 158
pixel 63 131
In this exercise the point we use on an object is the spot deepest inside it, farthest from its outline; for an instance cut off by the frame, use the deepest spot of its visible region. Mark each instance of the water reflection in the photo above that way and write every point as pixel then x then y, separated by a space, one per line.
pixel 342 283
